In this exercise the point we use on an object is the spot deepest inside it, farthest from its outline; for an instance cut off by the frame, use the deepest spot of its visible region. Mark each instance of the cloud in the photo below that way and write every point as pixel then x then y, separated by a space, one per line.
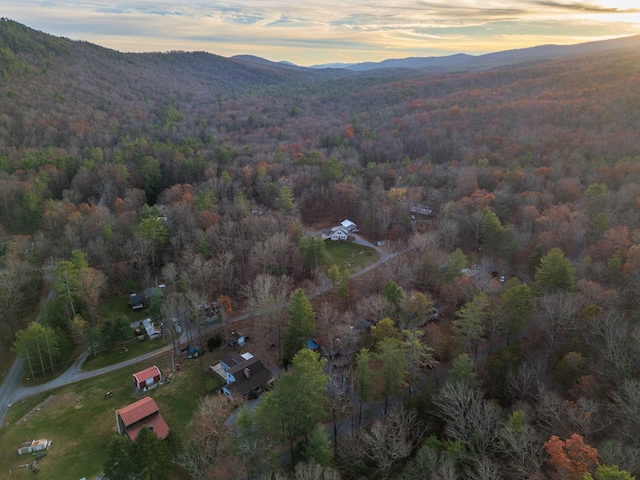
pixel 586 7
pixel 316 31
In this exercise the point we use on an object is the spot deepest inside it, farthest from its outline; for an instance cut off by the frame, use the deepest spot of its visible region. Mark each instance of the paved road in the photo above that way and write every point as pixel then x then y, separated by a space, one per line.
pixel 11 382
pixel 9 387
pixel 11 391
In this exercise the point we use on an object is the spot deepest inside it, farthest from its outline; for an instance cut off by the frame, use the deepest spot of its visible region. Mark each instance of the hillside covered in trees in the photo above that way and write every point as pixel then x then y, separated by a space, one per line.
pixel 210 175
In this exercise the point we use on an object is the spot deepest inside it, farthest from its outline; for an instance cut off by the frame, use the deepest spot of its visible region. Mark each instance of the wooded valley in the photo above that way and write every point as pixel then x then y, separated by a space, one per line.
pixel 512 193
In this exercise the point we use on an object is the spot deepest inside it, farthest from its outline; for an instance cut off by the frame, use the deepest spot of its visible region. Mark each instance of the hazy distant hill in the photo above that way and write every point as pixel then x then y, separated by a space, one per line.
pixel 497 59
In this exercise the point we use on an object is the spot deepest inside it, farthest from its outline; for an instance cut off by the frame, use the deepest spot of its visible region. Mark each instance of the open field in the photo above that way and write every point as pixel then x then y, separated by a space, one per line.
pixel 349 255
pixel 81 421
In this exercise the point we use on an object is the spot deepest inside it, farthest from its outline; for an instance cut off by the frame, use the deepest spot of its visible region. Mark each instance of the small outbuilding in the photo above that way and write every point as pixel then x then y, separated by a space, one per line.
pixel 237 339
pixel 147 378
pixel 349 225
pixel 32 446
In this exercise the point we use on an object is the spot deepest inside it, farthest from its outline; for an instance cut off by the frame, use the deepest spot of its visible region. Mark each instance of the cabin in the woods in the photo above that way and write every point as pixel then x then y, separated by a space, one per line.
pixel 142 300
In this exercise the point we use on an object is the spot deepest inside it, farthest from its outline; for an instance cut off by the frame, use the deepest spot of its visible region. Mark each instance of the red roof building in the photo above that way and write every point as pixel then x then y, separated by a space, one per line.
pixel 143 413
pixel 147 378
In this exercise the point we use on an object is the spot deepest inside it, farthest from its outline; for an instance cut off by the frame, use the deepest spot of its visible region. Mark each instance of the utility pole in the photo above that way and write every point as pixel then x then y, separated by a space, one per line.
pixel 44 374
pixel 26 351
pixel 66 281
pixel 46 337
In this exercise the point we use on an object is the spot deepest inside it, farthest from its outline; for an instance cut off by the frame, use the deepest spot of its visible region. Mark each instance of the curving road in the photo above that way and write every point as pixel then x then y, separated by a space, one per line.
pixel 11 391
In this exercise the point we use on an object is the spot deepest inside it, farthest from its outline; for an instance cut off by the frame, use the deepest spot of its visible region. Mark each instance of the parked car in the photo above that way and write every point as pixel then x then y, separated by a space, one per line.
pixel 176 326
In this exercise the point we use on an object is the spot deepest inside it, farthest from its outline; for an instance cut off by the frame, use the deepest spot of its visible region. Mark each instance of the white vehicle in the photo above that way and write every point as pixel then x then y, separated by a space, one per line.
pixel 176 326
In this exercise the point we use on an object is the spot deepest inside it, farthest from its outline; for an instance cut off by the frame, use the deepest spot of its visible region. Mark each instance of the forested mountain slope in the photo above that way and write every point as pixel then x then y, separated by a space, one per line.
pixel 74 84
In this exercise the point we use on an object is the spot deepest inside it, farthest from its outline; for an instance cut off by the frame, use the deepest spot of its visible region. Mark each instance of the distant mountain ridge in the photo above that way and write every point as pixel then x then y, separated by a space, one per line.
pixel 30 44
pixel 491 60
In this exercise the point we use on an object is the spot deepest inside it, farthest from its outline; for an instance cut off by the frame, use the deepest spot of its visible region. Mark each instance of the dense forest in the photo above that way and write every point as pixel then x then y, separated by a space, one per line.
pixel 513 194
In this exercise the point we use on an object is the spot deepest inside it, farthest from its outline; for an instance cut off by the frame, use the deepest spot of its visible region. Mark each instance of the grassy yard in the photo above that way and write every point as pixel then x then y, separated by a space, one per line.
pixel 124 351
pixel 114 307
pixel 117 306
pixel 350 256
pixel 81 422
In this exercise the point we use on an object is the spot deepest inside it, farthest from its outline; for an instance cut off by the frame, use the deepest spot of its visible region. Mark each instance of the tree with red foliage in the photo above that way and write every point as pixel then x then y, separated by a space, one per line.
pixel 571 458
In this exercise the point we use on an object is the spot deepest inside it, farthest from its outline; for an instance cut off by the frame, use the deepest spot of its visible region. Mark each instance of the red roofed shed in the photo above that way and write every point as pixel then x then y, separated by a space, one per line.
pixel 143 413
pixel 147 378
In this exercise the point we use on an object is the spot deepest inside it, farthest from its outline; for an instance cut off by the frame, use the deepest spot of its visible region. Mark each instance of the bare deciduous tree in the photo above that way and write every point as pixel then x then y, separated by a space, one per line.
pixel 373 308
pixel 520 446
pixel 92 283
pixel 486 469
pixel 313 471
pixel 559 311
pixel 392 439
pixel 609 336
pixel 339 403
pixel 263 295
pixel 222 273
pixel 550 416
pixel 210 451
pixel 525 382
pixel 469 418
pixel 13 280
pixel 626 407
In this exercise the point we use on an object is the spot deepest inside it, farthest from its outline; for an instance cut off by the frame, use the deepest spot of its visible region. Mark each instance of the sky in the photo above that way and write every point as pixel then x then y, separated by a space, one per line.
pixel 311 32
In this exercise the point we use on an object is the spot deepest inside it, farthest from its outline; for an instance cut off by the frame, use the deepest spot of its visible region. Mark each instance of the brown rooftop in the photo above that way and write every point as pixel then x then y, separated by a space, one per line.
pixel 143 413
pixel 138 410
pixel 147 373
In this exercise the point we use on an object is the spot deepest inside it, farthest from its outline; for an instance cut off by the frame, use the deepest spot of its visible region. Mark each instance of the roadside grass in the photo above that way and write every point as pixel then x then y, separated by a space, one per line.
pixel 81 421
pixel 349 256
pixel 124 351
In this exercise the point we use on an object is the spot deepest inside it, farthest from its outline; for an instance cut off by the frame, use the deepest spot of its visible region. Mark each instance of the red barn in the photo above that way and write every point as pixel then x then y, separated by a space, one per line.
pixel 147 378
pixel 143 413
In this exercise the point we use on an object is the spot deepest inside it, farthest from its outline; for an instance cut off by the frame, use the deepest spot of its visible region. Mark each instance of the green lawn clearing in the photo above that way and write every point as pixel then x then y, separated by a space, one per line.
pixel 81 421
pixel 349 255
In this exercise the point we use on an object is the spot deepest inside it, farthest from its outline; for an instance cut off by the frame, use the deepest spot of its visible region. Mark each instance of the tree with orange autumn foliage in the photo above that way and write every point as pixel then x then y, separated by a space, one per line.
pixel 226 303
pixel 571 458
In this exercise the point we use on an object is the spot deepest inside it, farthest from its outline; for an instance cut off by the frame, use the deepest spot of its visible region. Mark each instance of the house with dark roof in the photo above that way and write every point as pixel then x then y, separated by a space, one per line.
pixel 244 373
pixel 143 413
pixel 142 300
